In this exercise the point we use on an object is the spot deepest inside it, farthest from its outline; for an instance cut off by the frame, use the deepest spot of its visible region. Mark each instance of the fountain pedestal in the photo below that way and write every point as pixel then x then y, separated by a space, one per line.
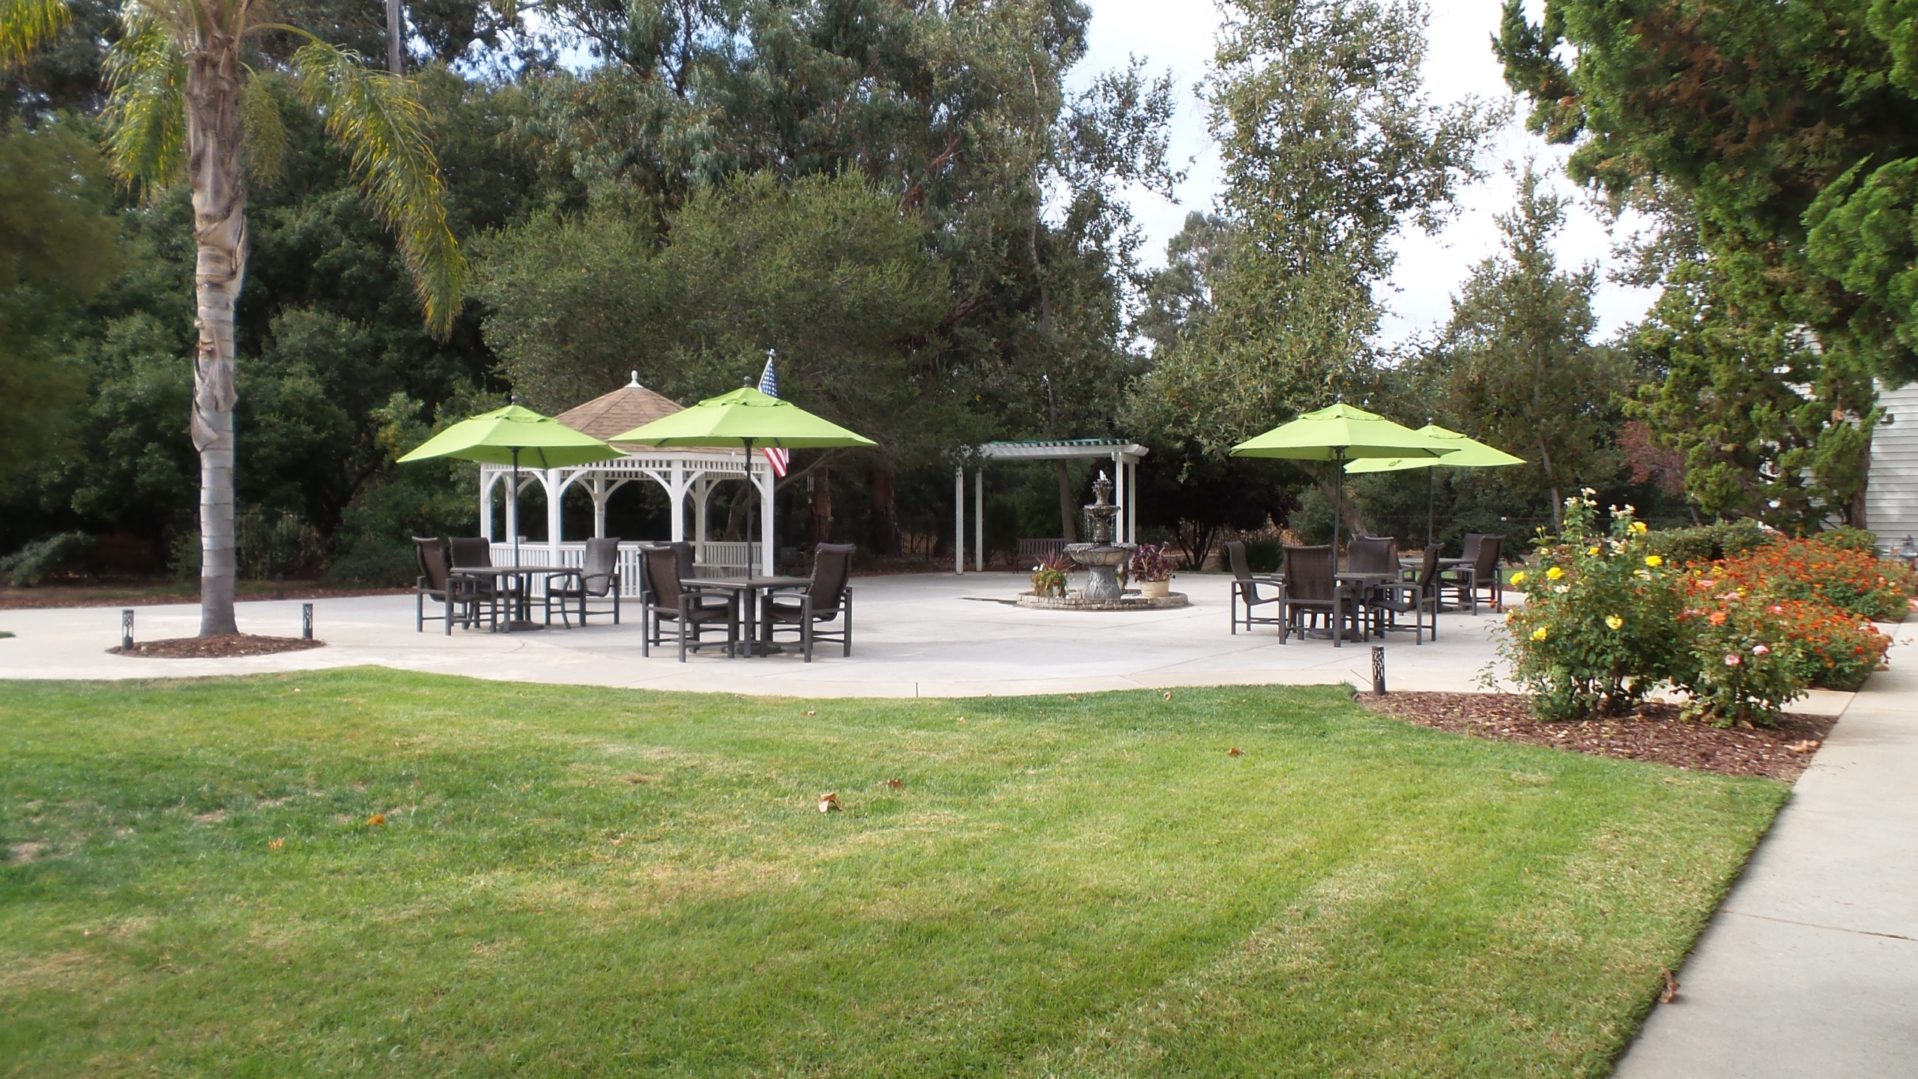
pixel 1101 562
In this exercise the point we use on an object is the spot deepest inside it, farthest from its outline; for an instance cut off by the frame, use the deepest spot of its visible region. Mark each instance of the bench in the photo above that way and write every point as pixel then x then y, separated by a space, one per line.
pixel 1034 551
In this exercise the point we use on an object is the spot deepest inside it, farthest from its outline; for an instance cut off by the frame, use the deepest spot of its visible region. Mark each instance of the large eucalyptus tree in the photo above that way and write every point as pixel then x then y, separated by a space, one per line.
pixel 184 102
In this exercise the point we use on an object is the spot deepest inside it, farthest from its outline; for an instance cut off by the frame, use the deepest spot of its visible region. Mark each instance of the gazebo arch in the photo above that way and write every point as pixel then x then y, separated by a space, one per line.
pixel 685 475
pixel 1123 454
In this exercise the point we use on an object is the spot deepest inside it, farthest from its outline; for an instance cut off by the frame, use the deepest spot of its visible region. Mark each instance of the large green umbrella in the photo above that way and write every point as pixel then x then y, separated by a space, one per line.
pixel 1338 434
pixel 512 435
pixel 1469 453
pixel 744 417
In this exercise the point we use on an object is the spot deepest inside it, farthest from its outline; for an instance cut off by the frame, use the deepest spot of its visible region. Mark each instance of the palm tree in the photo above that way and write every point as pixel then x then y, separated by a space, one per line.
pixel 182 102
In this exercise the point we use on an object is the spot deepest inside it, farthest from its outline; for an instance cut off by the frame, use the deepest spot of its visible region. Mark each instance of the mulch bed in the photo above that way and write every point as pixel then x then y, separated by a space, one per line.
pixel 1656 732
pixel 220 647
pixel 45 597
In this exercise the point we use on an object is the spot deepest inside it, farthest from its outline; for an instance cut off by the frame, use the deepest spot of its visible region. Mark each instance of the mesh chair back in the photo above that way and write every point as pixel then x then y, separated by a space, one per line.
pixel 602 561
pixel 430 551
pixel 1428 569
pixel 1469 550
pixel 1235 556
pixel 662 575
pixel 1308 574
pixel 831 563
pixel 472 551
pixel 1485 559
pixel 683 559
pixel 1374 554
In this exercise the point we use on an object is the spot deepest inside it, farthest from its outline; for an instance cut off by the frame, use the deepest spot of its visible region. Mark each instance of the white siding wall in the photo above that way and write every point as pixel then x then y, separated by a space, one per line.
pixel 1891 495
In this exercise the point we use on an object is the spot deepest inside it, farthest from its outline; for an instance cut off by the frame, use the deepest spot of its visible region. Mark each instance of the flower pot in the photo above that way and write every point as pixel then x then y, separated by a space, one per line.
pixel 1154 589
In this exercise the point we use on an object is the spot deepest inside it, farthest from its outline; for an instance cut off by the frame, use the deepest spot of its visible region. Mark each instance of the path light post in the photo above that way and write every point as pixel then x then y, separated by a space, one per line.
pixel 1378 669
pixel 126 628
pixel 306 621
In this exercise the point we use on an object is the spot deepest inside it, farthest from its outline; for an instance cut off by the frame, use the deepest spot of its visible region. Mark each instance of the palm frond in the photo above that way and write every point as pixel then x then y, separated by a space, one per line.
pixel 383 128
pixel 26 25
pixel 146 106
pixel 262 131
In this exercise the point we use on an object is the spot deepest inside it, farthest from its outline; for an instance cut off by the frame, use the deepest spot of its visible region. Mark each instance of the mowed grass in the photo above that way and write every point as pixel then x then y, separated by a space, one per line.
pixel 597 881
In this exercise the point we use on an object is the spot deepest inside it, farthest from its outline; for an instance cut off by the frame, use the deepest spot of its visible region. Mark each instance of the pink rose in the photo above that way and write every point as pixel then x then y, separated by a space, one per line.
pixel 1732 660
pixel 1760 650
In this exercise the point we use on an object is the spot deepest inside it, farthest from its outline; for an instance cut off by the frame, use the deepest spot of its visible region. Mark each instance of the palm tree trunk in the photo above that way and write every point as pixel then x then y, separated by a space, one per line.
pixel 219 231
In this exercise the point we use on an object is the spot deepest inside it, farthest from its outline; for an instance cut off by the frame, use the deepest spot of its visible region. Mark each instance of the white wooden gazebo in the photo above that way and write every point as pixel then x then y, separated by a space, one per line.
pixel 688 476
pixel 1123 454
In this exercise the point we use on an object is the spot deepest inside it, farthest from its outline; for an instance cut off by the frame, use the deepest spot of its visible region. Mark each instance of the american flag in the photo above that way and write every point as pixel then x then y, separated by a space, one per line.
pixel 776 457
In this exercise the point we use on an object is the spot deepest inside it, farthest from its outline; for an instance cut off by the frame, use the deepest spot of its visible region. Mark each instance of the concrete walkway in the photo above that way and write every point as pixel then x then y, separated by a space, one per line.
pixel 1810 968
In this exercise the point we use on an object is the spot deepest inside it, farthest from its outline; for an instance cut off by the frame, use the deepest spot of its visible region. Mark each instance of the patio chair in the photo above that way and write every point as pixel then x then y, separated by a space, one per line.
pixel 1311 592
pixel 1412 596
pixel 663 600
pixel 827 598
pixel 1479 571
pixel 1373 554
pixel 1246 587
pixel 598 578
pixel 458 597
pixel 476 552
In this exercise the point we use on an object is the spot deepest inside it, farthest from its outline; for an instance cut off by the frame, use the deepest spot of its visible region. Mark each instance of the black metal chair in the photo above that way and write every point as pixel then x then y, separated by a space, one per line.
pixel 476 552
pixel 453 593
pixel 664 600
pixel 597 579
pixel 1311 592
pixel 828 597
pixel 1413 596
pixel 1246 587
pixel 1479 571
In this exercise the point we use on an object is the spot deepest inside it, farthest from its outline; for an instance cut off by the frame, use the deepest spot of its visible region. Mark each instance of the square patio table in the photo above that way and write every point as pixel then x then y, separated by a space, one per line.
pixel 747 591
pixel 521 576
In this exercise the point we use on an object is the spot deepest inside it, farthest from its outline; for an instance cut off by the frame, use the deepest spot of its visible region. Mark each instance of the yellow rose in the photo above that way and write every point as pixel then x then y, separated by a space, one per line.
pixel 1654 561
pixel 1592 550
pixel 1638 527
pixel 1518 578
pixel 1554 573
pixel 1540 633
pixel 1612 621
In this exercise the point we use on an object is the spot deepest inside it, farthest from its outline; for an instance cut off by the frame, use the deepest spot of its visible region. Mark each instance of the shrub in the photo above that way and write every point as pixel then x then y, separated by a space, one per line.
pixel 1703 543
pixel 1856 582
pixel 1849 539
pixel 1595 632
pixel 54 556
pixel 1740 662
pixel 1823 645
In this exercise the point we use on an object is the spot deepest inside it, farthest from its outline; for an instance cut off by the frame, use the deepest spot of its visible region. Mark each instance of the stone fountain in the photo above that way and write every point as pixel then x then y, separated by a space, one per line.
pixel 1101 560
pixel 1102 557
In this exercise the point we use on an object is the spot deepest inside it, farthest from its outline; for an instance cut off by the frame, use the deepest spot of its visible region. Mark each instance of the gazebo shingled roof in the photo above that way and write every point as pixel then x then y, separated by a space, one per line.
pixel 621 410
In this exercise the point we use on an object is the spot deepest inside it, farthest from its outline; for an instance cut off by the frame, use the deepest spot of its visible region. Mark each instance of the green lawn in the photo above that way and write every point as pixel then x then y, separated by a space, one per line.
pixel 596 881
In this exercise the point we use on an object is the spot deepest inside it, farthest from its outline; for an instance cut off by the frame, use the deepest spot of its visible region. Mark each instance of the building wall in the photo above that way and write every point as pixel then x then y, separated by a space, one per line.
pixel 1891 494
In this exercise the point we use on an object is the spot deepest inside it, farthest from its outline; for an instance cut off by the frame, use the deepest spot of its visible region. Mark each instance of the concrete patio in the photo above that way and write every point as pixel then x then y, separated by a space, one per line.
pixel 933 635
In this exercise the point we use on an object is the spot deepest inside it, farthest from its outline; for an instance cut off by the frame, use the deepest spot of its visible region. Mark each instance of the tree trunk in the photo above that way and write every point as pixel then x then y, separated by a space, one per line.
pixel 395 37
pixel 882 528
pixel 1068 513
pixel 819 506
pixel 219 232
pixel 1551 482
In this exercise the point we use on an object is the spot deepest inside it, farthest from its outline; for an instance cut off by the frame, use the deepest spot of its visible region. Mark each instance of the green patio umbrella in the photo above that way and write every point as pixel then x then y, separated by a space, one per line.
pixel 1338 434
pixel 744 417
pixel 1469 453
pixel 513 435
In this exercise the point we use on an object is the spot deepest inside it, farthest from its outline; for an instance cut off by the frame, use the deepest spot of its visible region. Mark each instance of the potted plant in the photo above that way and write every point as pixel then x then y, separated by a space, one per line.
pixel 1049 578
pixel 1151 569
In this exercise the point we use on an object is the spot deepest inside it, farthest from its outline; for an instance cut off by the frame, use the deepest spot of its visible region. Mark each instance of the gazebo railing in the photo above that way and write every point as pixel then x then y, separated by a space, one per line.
pixel 714 558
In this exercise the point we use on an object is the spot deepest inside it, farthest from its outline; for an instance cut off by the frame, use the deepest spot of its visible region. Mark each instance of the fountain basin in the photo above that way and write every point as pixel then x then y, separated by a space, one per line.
pixel 1078 601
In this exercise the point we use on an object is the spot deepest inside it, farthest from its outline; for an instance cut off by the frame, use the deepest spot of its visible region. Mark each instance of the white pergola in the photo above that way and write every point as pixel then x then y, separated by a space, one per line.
pixel 1123 454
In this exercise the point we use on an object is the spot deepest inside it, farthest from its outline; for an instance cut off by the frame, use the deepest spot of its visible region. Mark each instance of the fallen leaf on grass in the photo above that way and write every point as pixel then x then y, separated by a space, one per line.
pixel 376 820
pixel 829 802
pixel 1235 751
pixel 895 783
pixel 275 844
pixel 1671 989
pixel 810 712
pixel 1072 696
pixel 1167 695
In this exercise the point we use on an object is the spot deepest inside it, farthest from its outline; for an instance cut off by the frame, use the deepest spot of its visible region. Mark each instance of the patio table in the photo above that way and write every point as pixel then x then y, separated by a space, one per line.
pixel 520 576
pixel 747 591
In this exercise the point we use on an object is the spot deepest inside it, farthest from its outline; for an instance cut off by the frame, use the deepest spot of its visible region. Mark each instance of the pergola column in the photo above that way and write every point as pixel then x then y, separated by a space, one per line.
pixel 959 519
pixel 979 519
pixel 1118 487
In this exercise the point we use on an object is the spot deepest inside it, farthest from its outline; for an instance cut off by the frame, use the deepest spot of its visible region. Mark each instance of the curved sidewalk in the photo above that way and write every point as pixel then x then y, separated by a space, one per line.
pixel 1810 966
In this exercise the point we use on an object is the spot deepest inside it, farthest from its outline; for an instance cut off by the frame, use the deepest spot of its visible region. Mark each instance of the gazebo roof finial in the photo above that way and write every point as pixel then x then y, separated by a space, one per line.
pixel 635 383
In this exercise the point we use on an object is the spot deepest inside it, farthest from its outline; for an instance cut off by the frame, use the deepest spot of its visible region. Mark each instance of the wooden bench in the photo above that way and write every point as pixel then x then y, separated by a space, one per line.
pixel 1034 551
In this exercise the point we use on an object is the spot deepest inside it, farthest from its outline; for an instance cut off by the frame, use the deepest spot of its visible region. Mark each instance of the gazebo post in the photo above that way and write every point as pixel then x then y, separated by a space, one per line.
pixel 600 494
pixel 512 511
pixel 702 491
pixel 549 479
pixel 979 518
pixel 959 519
pixel 487 479
pixel 676 491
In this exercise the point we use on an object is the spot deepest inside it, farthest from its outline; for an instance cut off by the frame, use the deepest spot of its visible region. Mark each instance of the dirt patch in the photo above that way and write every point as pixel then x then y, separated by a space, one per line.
pixel 1656 732
pixel 216 647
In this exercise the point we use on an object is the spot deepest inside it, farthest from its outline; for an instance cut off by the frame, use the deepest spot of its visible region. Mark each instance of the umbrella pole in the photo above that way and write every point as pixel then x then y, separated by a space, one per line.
pixel 513 621
pixel 1431 482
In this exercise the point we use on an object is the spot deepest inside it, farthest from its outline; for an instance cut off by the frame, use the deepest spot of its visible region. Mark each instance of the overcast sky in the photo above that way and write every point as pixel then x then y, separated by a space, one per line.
pixel 1459 63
